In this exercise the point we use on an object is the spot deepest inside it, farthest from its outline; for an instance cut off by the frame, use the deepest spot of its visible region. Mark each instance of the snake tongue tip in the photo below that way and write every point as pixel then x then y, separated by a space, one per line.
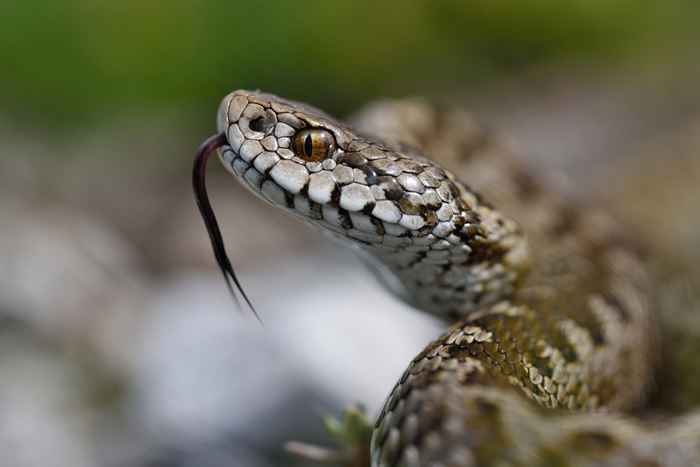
pixel 232 280
pixel 233 277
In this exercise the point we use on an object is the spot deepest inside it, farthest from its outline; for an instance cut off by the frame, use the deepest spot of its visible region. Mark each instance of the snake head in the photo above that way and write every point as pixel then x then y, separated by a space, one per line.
pixel 426 229
pixel 299 158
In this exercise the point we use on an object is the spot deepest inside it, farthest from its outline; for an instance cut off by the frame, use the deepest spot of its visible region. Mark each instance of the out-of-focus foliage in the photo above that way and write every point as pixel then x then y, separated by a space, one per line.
pixel 118 342
pixel 71 60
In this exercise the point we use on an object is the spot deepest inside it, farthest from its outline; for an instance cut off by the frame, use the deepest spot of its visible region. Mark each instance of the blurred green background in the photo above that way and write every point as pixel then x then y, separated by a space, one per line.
pixel 118 345
pixel 66 62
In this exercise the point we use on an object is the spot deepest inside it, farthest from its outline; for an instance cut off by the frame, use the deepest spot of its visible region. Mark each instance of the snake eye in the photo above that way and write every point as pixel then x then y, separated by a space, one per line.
pixel 314 145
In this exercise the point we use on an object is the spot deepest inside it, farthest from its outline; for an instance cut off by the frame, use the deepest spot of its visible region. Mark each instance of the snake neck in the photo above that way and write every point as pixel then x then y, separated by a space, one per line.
pixel 467 257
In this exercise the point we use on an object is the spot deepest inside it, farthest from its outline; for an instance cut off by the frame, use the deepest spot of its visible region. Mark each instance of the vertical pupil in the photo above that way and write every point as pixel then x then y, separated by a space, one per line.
pixel 308 145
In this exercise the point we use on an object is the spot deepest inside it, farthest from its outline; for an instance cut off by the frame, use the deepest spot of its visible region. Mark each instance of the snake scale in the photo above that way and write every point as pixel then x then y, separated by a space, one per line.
pixel 553 336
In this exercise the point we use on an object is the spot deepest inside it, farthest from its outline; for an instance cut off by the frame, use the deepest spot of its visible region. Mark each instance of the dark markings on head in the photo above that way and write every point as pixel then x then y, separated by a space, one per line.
pixel 344 218
pixel 289 199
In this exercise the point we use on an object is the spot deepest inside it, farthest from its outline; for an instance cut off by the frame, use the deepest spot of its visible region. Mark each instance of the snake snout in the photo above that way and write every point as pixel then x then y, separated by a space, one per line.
pixel 256 122
pixel 252 116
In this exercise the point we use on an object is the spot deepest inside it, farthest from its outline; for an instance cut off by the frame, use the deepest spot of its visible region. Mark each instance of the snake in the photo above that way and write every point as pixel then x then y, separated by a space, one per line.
pixel 551 344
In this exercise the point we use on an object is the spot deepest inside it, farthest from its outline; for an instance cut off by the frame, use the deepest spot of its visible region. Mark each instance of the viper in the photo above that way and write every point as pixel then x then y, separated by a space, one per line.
pixel 551 340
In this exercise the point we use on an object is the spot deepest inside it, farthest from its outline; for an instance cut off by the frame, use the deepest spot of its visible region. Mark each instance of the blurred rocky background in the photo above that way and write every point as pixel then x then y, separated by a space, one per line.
pixel 118 343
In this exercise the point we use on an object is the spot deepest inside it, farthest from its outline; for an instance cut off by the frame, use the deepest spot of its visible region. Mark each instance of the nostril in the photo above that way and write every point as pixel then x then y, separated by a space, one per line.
pixel 258 124
pixel 256 121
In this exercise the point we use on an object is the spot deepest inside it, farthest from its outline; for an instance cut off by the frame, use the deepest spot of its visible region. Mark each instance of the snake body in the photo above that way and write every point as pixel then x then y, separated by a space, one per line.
pixel 553 332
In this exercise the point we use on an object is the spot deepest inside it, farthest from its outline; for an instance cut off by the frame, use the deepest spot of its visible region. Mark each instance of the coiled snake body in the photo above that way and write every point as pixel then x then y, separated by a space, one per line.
pixel 553 328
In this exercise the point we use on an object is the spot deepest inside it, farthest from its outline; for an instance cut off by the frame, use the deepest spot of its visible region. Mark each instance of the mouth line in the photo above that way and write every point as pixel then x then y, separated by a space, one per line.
pixel 209 146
